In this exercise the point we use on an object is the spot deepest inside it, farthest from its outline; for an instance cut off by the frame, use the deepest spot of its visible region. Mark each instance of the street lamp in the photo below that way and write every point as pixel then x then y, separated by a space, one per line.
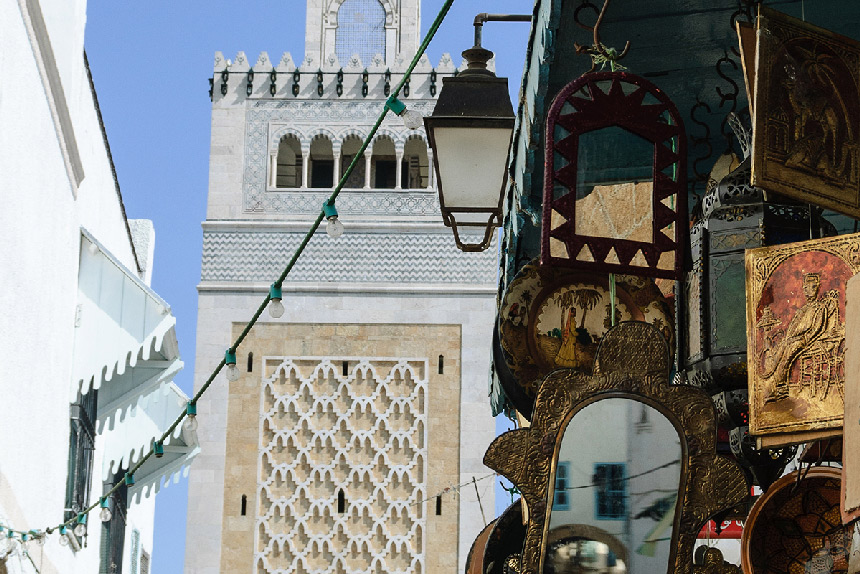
pixel 470 134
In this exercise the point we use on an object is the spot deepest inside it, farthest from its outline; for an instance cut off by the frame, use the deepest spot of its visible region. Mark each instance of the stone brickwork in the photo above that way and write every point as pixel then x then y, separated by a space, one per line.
pixel 301 431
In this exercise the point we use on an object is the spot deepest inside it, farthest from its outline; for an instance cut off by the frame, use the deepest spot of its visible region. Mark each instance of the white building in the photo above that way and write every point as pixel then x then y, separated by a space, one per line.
pixel 93 347
pixel 368 397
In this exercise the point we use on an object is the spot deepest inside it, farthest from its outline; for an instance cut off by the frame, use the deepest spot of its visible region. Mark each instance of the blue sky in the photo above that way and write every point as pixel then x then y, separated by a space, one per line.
pixel 150 63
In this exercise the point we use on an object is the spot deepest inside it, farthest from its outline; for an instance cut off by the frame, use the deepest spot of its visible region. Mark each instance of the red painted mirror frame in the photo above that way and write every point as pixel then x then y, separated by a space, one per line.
pixel 625 109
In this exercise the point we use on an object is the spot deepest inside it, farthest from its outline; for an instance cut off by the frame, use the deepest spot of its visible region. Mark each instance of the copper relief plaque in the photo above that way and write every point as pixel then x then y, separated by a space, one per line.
pixel 806 109
pixel 796 334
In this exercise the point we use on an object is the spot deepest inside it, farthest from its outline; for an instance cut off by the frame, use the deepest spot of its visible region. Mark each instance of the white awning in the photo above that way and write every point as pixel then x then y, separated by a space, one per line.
pixel 129 440
pixel 125 341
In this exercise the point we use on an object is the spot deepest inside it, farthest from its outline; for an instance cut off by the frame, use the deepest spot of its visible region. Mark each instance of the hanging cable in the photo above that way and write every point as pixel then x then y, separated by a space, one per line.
pixel 80 518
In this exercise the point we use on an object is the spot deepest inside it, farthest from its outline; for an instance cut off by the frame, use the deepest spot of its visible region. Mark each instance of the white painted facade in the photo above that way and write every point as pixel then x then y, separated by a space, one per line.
pixel 396 263
pixel 59 196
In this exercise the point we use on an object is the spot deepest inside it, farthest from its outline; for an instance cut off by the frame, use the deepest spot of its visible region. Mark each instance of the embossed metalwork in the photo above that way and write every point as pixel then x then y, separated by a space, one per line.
pixel 796 334
pixel 604 100
pixel 712 562
pixel 733 189
pixel 796 526
pixel 632 362
pixel 806 141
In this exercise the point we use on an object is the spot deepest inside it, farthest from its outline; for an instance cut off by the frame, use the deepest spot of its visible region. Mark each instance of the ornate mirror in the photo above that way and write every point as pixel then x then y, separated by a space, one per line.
pixel 618 469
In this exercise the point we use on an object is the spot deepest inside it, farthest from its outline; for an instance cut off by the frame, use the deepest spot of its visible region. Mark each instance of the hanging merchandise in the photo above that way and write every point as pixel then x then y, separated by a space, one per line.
pixel 615 192
pixel 555 318
pixel 805 90
pixel 796 526
pixel 796 337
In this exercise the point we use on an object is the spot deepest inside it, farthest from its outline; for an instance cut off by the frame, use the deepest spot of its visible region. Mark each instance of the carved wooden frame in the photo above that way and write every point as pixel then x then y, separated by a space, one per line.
pixel 594 109
pixel 631 362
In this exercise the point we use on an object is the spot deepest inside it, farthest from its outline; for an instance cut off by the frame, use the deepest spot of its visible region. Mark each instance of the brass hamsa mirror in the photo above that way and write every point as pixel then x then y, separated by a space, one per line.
pixel 618 469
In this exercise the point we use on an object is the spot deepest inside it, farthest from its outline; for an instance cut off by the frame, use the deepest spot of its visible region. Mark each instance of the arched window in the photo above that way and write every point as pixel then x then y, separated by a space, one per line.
pixel 322 163
pixel 384 163
pixel 416 167
pixel 360 30
pixel 350 147
pixel 289 162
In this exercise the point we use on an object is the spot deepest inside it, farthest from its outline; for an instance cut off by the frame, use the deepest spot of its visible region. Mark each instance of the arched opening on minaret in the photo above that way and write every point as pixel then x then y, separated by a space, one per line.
pixel 360 30
pixel 321 163
pixel 415 172
pixel 289 162
pixel 349 148
pixel 383 164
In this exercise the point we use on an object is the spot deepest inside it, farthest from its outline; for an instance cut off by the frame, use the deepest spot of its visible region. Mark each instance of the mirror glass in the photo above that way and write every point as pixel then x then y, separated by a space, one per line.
pixel 612 507
pixel 614 185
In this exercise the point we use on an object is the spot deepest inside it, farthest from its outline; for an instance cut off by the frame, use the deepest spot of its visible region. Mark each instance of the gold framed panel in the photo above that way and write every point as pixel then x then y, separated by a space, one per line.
pixel 806 113
pixel 631 362
pixel 795 297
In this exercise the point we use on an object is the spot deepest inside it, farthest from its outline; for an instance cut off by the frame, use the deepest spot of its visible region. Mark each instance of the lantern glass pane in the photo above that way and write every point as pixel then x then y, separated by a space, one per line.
pixel 472 165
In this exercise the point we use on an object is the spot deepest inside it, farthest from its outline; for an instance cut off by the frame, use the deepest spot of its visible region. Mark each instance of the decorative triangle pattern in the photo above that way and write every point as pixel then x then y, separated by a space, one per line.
pixel 363 434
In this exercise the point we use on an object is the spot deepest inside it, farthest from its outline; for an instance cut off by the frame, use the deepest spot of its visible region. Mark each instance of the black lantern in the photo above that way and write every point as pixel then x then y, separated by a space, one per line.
pixel 470 133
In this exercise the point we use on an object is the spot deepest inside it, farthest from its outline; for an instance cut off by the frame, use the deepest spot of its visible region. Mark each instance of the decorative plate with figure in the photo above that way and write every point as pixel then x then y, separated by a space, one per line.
pixel 554 318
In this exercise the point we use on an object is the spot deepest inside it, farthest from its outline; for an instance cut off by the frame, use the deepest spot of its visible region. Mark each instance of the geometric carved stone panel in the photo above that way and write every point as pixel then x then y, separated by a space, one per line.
pixel 351 425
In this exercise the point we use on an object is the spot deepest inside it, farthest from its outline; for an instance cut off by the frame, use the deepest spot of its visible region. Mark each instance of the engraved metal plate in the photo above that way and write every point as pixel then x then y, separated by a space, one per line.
pixel 806 136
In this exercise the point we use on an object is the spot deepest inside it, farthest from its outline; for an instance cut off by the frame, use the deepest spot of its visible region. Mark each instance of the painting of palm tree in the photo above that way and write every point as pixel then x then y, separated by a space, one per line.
pixel 586 299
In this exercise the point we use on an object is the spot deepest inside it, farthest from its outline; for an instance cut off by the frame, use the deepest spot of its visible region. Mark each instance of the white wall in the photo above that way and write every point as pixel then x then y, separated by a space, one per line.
pixel 42 212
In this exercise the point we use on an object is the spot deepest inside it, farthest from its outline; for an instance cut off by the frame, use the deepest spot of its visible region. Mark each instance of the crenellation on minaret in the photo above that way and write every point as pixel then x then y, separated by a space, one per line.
pixel 234 75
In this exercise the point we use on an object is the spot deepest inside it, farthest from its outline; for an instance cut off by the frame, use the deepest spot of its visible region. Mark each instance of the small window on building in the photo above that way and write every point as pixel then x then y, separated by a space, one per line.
pixel 610 493
pixel 288 163
pixel 438 506
pixel 344 369
pixel 321 163
pixel 250 362
pixel 341 502
pixel 81 445
pixel 561 498
pixel 322 173
pixel 243 510
pixel 386 173
pixel 441 365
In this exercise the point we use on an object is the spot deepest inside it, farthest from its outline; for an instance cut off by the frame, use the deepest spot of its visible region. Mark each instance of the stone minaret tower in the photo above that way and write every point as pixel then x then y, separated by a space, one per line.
pixel 367 398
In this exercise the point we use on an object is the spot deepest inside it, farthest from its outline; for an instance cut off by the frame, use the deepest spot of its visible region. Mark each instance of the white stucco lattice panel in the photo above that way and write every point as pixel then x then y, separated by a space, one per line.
pixel 322 432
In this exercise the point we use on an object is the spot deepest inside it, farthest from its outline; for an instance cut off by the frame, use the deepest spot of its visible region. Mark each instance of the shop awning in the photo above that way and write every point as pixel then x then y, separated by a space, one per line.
pixel 125 339
pixel 130 439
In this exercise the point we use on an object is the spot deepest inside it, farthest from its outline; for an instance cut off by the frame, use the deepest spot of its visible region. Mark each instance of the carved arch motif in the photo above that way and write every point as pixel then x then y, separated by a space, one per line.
pixel 334 7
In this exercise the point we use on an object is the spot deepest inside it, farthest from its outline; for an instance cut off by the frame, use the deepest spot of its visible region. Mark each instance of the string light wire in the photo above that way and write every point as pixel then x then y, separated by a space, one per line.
pixel 129 476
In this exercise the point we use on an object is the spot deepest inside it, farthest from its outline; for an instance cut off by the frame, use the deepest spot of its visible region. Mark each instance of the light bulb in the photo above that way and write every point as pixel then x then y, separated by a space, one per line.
pixel 80 530
pixel 276 308
pixel 412 119
pixel 232 372
pixel 334 227
pixel 105 514
pixel 190 423
pixel 64 541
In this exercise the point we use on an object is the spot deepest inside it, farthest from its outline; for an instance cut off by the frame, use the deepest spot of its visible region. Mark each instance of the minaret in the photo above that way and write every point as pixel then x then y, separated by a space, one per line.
pixel 367 398
pixel 366 28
